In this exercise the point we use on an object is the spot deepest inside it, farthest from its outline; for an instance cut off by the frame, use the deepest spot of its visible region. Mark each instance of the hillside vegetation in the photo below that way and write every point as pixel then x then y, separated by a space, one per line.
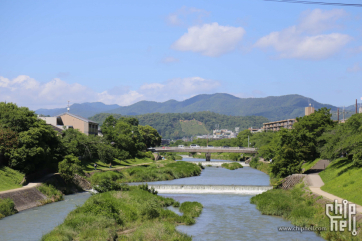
pixel 9 178
pixel 272 107
pixel 176 125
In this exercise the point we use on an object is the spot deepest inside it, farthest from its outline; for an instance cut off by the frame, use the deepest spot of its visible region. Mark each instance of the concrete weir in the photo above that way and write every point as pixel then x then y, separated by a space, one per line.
pixel 203 189
pixel 215 164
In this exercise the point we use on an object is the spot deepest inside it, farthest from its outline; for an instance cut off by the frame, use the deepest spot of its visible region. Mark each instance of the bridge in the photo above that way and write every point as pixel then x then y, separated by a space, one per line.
pixel 206 150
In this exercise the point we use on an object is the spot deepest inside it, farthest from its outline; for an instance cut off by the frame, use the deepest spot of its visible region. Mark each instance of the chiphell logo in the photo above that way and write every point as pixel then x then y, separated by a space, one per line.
pixel 344 216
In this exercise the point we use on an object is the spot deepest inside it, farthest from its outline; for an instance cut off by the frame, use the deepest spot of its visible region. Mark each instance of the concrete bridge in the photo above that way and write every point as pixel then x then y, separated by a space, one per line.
pixel 206 150
pixel 216 164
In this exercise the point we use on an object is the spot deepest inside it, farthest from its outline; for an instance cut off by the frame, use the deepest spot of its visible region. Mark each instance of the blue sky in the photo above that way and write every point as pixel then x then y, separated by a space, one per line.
pixel 120 52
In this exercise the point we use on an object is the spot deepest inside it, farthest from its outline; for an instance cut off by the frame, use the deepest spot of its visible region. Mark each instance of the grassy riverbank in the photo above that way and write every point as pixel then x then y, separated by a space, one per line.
pixel 264 167
pixel 303 209
pixel 343 179
pixel 9 178
pixel 128 215
pixel 232 166
pixel 53 194
pixel 88 166
pixel 158 171
pixel 7 208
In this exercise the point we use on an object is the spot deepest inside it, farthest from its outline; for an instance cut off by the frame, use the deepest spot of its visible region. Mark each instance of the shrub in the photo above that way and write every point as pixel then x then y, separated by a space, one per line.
pixel 7 207
pixel 232 166
pixel 107 185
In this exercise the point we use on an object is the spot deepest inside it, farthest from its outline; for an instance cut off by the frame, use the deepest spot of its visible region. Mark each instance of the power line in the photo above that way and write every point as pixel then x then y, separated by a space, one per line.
pixel 318 3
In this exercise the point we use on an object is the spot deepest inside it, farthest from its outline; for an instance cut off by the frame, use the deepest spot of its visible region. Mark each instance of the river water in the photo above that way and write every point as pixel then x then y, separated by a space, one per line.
pixel 224 217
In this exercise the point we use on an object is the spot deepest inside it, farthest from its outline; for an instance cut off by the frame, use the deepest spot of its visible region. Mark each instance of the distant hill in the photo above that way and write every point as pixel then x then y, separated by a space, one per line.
pixel 86 109
pixel 178 125
pixel 272 107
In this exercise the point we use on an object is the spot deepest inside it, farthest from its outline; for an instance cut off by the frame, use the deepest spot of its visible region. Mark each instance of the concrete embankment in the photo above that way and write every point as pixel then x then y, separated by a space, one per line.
pixel 25 198
pixel 216 164
pixel 235 189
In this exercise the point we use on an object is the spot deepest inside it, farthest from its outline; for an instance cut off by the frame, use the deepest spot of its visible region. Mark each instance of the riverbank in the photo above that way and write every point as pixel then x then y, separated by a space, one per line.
pixel 302 208
pixel 126 215
pixel 158 171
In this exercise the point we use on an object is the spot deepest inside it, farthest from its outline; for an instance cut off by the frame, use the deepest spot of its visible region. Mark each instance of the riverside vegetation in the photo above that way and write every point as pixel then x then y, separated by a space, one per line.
pixel 314 137
pixel 232 166
pixel 135 214
pixel 302 208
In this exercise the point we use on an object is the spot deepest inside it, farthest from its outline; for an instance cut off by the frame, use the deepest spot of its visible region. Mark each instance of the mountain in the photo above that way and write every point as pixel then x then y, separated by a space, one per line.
pixel 178 125
pixel 272 107
pixel 86 109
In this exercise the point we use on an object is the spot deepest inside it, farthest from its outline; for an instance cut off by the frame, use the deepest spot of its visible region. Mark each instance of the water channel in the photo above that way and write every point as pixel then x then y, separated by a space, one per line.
pixel 224 217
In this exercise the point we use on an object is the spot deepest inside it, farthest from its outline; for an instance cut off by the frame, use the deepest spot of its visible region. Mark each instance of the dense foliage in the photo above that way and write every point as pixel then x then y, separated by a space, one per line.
pixel 178 125
pixel 69 167
pixel 7 207
pixel 27 143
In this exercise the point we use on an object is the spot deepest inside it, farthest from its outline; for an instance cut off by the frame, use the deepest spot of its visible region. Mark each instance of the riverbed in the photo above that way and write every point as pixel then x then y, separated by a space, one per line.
pixel 224 217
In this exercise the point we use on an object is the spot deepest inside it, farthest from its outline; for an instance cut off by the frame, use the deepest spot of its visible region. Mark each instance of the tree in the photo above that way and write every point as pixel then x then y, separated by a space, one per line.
pixel 150 136
pixel 234 156
pixel 39 147
pixel 69 167
pixel 243 137
pixel 8 142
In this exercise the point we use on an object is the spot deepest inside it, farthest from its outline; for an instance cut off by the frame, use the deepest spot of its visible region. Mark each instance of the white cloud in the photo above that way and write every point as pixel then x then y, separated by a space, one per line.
pixel 185 14
pixel 169 59
pixel 26 91
pixel 210 39
pixel 317 20
pixel 355 68
pixel 294 42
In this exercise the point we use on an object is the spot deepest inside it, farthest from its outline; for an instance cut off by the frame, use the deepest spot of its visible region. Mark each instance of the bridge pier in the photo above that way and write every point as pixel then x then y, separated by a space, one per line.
pixel 191 154
pixel 208 156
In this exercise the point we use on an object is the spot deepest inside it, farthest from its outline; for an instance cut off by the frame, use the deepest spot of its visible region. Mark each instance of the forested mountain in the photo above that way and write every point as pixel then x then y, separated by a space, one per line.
pixel 177 125
pixel 86 109
pixel 273 107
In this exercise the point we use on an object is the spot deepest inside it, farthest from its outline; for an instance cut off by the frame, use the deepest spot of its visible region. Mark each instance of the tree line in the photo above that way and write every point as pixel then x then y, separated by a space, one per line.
pixel 169 126
pixel 28 144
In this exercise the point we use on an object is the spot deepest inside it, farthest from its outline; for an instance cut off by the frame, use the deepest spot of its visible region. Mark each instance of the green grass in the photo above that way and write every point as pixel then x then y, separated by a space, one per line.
pixel 88 166
pixel 343 179
pixel 232 166
pixel 301 208
pixel 7 207
pixel 125 215
pixel 308 165
pixel 217 156
pixel 159 171
pixel 9 178
pixel 51 192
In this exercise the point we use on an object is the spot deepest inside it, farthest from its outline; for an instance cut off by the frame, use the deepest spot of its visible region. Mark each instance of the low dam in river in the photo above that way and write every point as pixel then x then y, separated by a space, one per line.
pixel 202 189
pixel 215 163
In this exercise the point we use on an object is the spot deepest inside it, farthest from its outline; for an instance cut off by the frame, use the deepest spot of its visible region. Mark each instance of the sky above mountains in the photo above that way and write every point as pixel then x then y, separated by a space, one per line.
pixel 119 52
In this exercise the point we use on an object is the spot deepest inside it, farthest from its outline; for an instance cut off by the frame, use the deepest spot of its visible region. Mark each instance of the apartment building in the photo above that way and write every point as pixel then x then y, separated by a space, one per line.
pixel 277 125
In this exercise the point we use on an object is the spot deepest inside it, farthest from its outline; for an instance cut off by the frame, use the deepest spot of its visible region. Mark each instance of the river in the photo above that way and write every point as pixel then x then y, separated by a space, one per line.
pixel 224 217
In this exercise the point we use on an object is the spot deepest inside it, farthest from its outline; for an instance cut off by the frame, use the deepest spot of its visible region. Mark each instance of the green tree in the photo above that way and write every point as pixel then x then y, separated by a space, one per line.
pixel 234 156
pixel 69 167
pixel 150 136
pixel 243 137
pixel 8 142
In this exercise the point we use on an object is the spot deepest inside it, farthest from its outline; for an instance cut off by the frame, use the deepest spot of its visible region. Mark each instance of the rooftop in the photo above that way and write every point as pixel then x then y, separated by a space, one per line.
pixel 78 117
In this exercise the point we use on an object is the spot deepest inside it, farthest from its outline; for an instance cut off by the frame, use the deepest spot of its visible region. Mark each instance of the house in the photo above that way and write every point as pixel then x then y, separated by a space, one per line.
pixel 69 120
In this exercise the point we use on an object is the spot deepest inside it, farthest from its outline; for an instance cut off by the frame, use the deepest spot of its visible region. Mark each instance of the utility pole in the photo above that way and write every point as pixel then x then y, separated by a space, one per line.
pixel 248 141
pixel 356 106
pixel 343 114
pixel 338 115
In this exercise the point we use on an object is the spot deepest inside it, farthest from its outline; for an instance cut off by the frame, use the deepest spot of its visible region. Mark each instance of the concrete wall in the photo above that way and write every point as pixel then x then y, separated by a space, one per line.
pixel 75 122
pixel 50 120
pixel 25 199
